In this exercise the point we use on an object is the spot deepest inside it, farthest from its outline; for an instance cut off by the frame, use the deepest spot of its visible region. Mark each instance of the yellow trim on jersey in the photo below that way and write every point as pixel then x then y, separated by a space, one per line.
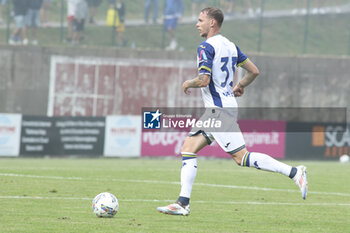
pixel 243 62
pixel 204 68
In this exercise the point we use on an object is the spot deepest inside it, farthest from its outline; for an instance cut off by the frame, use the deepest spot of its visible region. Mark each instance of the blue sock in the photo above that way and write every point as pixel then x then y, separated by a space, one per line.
pixel 184 200
pixel 293 172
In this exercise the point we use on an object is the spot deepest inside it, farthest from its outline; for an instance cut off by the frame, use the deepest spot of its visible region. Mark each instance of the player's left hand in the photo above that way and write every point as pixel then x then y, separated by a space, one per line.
pixel 238 90
pixel 185 88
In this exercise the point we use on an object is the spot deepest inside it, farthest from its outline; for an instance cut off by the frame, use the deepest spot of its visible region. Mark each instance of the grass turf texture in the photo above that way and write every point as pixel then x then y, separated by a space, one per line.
pixel 54 195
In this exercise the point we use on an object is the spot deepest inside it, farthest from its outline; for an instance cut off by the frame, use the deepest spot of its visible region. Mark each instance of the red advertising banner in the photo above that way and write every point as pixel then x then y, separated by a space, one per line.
pixel 260 136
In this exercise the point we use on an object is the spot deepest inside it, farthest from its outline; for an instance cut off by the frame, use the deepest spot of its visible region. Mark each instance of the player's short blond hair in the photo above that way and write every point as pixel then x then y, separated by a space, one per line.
pixel 215 13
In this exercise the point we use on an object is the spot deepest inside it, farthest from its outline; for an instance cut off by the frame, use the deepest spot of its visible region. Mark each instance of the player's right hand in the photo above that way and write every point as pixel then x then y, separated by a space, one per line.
pixel 238 90
pixel 185 88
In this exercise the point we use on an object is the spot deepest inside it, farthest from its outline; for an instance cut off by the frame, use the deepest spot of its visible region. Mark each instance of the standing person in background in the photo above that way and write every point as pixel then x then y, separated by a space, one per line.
pixel 147 8
pixel 119 7
pixel 228 5
pixel 299 9
pixel 197 5
pixel 320 6
pixel 44 12
pixel 338 6
pixel 93 5
pixel 249 8
pixel 2 6
pixel 258 7
pixel 317 7
pixel 20 8
pixel 32 18
pixel 174 10
pixel 71 5
pixel 80 14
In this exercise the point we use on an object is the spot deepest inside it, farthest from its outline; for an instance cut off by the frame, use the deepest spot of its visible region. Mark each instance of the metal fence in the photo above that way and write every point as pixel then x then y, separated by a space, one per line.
pixel 259 11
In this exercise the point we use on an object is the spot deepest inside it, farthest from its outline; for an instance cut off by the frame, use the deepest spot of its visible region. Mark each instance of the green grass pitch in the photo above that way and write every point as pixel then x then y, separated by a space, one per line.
pixel 54 195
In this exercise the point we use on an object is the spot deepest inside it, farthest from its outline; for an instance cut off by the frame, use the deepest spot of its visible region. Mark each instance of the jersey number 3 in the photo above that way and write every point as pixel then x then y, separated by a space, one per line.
pixel 224 68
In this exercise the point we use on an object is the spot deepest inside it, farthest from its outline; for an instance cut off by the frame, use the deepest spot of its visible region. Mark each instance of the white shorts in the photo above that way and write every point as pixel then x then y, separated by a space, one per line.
pixel 228 136
pixel 19 21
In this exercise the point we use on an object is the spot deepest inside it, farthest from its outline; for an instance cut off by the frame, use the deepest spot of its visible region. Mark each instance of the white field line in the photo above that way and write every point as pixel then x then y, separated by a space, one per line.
pixel 167 201
pixel 177 183
pixel 41 177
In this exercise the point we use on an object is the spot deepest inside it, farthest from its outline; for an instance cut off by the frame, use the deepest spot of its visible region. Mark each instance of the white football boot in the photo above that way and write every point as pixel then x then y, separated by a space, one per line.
pixel 175 209
pixel 300 179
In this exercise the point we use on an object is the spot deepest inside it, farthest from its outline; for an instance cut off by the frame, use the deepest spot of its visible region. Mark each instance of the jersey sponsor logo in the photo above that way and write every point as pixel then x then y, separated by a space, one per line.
pixel 228 94
pixel 202 56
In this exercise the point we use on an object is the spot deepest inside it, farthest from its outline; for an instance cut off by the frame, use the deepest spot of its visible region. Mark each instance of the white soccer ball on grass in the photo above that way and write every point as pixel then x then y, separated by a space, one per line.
pixel 344 158
pixel 105 205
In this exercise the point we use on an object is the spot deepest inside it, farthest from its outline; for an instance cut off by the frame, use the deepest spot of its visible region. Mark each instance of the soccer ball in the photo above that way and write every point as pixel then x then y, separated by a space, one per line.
pixel 344 158
pixel 105 205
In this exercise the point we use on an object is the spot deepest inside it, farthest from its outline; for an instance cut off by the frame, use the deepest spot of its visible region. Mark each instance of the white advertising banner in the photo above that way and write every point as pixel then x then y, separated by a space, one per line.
pixel 123 136
pixel 10 132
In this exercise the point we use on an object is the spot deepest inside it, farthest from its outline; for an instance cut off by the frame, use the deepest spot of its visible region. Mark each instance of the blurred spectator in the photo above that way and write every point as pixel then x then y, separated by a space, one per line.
pixel 338 6
pixel 320 6
pixel 119 7
pixel 317 9
pixel 299 9
pixel 80 15
pixel 228 5
pixel 317 6
pixel 3 5
pixel 93 4
pixel 44 12
pixel 20 8
pixel 148 5
pixel 197 6
pixel 258 7
pixel 32 18
pixel 249 8
pixel 71 8
pixel 173 11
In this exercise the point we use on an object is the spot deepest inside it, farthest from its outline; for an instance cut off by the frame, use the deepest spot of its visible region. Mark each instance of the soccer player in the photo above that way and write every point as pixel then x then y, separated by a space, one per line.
pixel 217 58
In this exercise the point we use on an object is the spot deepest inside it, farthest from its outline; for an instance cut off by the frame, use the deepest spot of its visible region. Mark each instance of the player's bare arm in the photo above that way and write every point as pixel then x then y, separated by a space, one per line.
pixel 251 73
pixel 202 80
